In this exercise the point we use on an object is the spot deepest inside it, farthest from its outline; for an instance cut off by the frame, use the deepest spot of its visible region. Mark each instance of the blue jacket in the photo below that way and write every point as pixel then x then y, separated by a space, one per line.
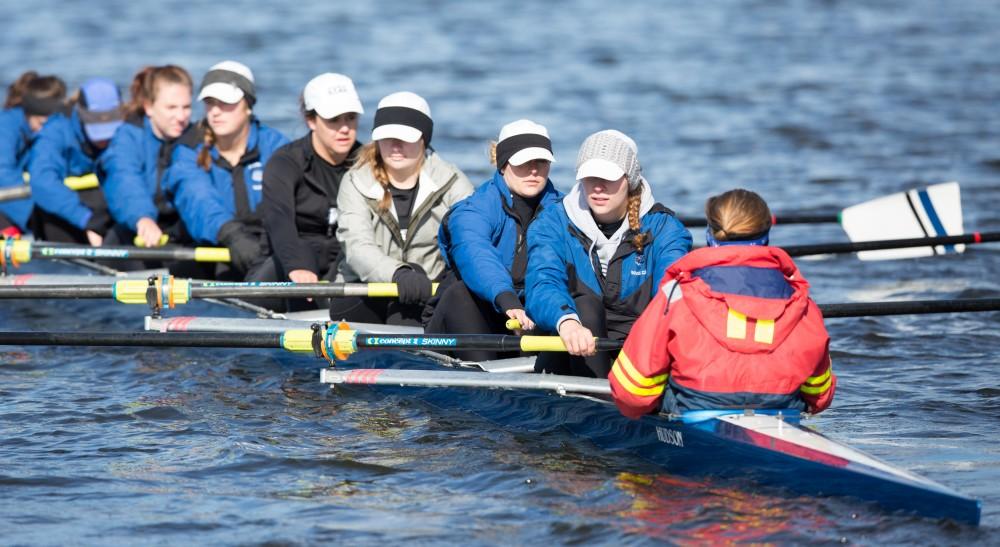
pixel 131 162
pixel 205 199
pixel 480 237
pixel 61 150
pixel 565 261
pixel 15 140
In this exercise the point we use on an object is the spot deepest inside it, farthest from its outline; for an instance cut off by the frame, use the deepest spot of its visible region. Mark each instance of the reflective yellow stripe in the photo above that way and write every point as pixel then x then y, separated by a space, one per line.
pixel 816 390
pixel 736 326
pixel 816 380
pixel 764 332
pixel 626 383
pixel 640 379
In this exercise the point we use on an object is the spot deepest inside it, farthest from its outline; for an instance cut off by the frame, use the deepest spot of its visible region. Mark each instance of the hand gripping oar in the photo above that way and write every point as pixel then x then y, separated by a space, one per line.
pixel 436 378
pixel 334 342
pixel 16 252
pixel 340 342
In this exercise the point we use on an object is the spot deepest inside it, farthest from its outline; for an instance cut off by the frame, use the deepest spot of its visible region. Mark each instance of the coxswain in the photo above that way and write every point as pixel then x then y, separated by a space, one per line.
pixel 732 327
pixel 483 238
pixel 390 206
pixel 596 261
pixel 217 170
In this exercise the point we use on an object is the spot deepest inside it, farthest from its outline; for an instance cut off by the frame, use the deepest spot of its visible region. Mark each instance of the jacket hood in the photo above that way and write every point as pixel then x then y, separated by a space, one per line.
pixel 737 319
pixel 575 204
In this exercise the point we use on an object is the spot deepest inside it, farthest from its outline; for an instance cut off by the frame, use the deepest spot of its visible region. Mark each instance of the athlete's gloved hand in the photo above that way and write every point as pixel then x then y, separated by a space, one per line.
pixel 413 284
pixel 244 247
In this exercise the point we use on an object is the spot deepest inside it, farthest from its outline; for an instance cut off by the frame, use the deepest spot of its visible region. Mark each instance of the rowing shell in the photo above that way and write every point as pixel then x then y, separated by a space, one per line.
pixel 767 447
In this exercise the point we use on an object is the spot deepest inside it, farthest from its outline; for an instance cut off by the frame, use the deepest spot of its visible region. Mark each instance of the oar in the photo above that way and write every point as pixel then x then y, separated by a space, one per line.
pixel 168 291
pixel 942 200
pixel 909 307
pixel 84 182
pixel 294 340
pixel 776 219
pixel 334 341
pixel 16 252
pixel 861 246
pixel 434 378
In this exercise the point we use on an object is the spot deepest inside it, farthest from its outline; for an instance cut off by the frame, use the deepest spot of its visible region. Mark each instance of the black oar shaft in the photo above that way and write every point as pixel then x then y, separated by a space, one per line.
pixel 112 253
pixel 313 290
pixel 14 193
pixel 862 309
pixel 852 247
pixel 817 218
pixel 56 291
pixel 494 342
pixel 155 339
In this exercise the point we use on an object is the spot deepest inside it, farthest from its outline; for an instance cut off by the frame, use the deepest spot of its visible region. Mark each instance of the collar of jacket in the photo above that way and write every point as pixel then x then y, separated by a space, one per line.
pixel 433 175
pixel 575 204
pixel 549 193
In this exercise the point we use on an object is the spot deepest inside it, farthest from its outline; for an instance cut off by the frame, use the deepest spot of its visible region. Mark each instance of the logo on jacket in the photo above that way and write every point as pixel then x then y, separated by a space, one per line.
pixel 256 171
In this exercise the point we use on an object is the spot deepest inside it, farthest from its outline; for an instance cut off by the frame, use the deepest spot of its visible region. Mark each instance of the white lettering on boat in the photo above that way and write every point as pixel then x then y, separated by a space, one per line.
pixel 670 436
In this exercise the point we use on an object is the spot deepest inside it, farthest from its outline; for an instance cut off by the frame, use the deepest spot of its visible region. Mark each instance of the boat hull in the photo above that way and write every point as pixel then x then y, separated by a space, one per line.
pixel 766 449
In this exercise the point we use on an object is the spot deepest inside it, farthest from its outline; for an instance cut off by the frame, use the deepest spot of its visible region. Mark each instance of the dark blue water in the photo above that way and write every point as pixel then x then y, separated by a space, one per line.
pixel 815 104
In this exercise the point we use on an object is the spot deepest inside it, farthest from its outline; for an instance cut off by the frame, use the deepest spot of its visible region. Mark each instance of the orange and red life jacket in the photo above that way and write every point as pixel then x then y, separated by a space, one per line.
pixel 731 327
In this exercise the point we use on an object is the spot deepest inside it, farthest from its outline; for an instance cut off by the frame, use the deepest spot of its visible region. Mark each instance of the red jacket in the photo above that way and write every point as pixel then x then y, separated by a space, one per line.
pixel 740 332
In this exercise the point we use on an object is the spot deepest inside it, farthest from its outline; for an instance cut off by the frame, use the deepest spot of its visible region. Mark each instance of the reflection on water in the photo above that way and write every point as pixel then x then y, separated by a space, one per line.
pixel 815 104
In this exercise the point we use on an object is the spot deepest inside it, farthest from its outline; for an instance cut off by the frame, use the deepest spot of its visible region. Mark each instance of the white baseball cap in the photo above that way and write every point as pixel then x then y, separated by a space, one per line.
pixel 522 141
pixel 330 95
pixel 405 116
pixel 228 81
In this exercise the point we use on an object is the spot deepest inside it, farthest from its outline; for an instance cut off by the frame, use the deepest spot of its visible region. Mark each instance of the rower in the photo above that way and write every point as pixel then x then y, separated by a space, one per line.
pixel 595 261
pixel 390 205
pixel 31 99
pixel 483 238
pixel 70 146
pixel 302 180
pixel 139 154
pixel 731 327
pixel 218 170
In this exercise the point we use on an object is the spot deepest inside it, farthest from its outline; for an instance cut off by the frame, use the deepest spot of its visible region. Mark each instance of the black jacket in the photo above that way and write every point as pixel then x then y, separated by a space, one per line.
pixel 295 208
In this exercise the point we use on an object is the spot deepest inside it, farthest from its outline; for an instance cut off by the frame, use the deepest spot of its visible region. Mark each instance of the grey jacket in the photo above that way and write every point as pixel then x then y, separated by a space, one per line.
pixel 372 244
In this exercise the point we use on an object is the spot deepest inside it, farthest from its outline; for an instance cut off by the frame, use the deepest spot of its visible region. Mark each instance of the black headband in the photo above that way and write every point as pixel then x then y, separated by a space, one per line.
pixel 514 144
pixel 410 117
pixel 237 80
pixel 37 106
pixel 93 116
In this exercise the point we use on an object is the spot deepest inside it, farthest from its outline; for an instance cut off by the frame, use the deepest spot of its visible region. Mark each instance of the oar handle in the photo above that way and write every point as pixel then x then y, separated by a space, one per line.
pixel 341 342
pixel 139 242
pixel 18 251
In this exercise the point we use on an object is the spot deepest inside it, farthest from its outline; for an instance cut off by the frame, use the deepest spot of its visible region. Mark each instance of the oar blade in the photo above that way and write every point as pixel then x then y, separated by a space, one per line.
pixel 927 212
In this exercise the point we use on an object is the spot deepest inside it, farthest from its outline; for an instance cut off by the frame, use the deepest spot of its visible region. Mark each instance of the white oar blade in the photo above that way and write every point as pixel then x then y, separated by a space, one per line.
pixel 927 212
